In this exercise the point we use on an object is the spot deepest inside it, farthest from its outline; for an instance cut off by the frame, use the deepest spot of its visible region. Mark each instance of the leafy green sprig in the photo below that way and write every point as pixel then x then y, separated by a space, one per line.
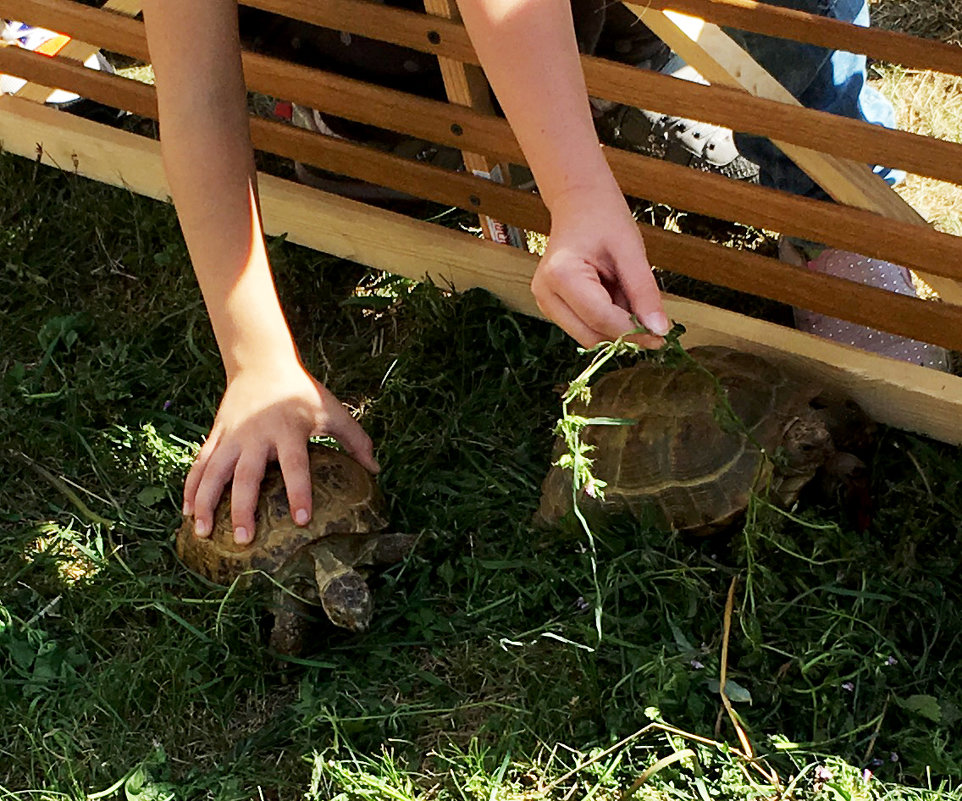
pixel 576 457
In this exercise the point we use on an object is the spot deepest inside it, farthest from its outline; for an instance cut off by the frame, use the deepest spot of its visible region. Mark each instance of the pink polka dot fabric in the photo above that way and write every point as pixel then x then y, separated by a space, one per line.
pixel 873 272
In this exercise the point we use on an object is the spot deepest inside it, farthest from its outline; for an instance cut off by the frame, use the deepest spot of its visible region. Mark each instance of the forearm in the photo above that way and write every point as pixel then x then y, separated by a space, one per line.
pixel 530 57
pixel 214 195
pixel 209 164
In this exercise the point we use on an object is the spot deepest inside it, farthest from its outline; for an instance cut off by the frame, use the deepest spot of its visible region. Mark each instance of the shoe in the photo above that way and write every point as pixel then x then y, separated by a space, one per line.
pixel 699 145
pixel 871 272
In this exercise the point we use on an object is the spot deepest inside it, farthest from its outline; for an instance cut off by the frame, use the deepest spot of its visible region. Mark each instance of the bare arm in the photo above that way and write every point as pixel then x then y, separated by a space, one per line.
pixel 271 404
pixel 595 271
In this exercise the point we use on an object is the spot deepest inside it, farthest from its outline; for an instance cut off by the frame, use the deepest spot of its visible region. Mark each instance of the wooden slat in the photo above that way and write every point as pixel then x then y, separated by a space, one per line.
pixel 438 36
pixel 720 60
pixel 433 120
pixel 405 175
pixel 734 109
pixel 892 392
pixel 882 45
pixel 839 226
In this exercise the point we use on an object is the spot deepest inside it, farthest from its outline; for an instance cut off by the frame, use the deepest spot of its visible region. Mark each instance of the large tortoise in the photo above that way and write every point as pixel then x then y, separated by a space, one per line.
pixel 322 564
pixel 689 461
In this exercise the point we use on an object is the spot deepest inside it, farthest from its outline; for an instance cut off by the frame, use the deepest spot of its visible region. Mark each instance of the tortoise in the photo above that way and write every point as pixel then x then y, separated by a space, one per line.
pixel 324 563
pixel 684 461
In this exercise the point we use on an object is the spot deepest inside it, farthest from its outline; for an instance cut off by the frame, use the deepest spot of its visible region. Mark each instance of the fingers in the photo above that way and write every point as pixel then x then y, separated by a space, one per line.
pixel 208 477
pixel 338 423
pixel 245 490
pixel 554 308
pixel 582 306
pixel 296 469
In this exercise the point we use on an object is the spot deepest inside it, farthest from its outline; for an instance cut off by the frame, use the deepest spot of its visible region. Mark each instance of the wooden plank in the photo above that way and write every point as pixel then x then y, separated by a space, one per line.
pixel 441 37
pixel 894 393
pixel 465 85
pixel 713 53
pixel 623 84
pixel 800 26
pixel 840 226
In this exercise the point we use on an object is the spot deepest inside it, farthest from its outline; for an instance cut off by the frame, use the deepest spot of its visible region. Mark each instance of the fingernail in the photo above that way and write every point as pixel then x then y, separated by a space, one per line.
pixel 187 510
pixel 201 528
pixel 657 323
pixel 301 517
pixel 241 537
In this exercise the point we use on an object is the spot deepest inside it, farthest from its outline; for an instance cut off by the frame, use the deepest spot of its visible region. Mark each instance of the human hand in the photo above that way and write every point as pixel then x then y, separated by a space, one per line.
pixel 264 417
pixel 595 274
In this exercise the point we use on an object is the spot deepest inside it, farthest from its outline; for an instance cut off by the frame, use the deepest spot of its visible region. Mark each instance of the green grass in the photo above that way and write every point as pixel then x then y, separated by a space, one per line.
pixel 483 676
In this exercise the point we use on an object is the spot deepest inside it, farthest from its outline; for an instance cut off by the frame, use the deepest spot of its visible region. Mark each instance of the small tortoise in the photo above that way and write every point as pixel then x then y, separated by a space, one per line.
pixel 323 563
pixel 681 458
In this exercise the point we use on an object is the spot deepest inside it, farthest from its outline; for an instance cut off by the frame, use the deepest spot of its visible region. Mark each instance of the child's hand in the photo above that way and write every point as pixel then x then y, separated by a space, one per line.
pixel 264 417
pixel 594 274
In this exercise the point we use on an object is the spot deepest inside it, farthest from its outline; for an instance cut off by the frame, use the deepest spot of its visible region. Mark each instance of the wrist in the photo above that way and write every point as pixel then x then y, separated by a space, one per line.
pixel 595 194
pixel 260 358
pixel 253 336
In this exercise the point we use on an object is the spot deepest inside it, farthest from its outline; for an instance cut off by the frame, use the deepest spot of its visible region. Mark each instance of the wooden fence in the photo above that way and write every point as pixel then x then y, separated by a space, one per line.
pixel 868 217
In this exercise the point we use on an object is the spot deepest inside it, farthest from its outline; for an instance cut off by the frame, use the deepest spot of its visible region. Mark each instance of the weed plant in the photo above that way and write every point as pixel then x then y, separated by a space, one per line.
pixel 483 677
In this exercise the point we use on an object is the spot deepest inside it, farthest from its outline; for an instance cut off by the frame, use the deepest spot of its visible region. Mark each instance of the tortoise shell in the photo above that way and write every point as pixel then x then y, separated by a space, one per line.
pixel 681 457
pixel 346 500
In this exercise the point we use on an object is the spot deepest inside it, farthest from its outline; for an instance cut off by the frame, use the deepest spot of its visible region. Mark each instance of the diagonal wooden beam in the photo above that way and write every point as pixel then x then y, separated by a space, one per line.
pixel 717 57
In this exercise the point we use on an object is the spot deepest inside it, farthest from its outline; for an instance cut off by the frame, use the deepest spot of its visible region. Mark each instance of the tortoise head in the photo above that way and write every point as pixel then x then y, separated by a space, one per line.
pixel 346 599
pixel 805 447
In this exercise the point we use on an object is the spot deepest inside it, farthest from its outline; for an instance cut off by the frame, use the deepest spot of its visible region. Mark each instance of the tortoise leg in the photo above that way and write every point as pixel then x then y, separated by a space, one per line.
pixel 295 602
pixel 389 549
pixel 291 617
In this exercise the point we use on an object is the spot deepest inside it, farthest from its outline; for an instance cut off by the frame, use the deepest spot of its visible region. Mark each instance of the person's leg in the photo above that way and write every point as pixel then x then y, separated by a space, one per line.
pixel 835 82
pixel 826 80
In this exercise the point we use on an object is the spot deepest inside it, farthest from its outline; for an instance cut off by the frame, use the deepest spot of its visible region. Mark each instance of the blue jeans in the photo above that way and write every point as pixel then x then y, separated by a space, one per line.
pixel 821 79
